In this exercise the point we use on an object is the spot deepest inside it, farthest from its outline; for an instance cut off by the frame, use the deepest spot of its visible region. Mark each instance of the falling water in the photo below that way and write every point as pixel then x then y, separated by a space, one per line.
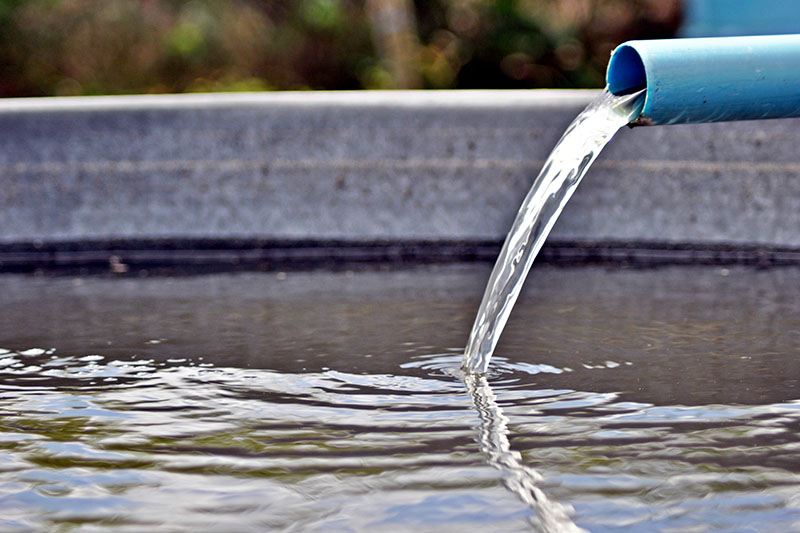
pixel 562 172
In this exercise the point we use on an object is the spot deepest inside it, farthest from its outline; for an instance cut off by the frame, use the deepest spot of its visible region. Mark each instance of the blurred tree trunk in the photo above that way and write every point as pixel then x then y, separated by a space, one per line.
pixel 394 32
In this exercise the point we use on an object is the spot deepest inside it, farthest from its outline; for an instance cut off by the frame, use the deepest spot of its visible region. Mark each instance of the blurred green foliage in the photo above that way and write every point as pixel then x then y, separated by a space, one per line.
pixel 72 47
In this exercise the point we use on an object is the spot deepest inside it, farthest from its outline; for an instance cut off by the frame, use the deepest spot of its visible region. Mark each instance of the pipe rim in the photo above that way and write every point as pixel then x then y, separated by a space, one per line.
pixel 626 72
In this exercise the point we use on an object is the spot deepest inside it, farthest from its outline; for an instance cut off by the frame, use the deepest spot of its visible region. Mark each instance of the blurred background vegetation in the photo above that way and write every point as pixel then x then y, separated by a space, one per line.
pixel 82 47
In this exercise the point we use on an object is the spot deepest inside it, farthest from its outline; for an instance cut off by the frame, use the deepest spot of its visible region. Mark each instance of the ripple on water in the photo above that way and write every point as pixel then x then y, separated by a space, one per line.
pixel 175 443
pixel 605 408
pixel 170 443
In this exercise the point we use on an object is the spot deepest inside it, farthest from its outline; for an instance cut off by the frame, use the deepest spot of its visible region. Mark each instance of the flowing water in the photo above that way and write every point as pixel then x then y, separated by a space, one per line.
pixel 621 400
pixel 563 170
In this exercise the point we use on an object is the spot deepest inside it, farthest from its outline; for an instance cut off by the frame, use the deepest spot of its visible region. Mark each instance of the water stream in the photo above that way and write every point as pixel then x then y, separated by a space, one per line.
pixel 562 173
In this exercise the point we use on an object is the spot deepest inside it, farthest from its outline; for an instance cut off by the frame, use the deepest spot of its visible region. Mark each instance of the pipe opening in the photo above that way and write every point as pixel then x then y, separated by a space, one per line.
pixel 625 72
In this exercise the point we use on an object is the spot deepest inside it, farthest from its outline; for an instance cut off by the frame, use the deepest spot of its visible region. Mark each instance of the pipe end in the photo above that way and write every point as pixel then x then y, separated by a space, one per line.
pixel 626 71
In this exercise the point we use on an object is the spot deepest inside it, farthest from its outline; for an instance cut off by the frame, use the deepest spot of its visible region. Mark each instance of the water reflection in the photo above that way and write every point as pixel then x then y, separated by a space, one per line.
pixel 644 400
pixel 522 480
pixel 183 443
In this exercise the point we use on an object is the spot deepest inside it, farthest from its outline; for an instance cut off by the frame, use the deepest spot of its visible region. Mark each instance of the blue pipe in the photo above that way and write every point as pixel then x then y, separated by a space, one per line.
pixel 710 79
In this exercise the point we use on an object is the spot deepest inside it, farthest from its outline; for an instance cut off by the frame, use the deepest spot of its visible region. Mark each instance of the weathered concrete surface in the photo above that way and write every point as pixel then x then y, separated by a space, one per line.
pixel 363 166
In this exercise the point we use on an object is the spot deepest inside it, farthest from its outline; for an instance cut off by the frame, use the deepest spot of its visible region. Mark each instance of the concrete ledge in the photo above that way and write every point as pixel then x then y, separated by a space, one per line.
pixel 397 166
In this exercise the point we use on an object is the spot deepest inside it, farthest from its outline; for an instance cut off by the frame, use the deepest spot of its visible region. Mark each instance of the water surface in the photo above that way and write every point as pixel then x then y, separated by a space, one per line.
pixel 618 400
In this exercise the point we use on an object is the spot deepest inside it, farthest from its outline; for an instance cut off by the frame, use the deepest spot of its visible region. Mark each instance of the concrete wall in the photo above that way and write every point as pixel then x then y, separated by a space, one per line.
pixel 365 166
